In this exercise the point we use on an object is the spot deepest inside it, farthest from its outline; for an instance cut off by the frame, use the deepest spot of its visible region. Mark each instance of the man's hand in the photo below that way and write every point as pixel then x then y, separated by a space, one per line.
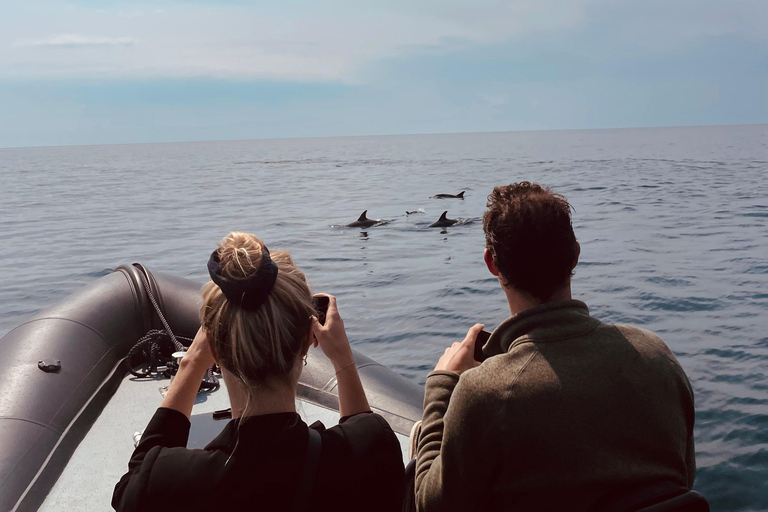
pixel 461 356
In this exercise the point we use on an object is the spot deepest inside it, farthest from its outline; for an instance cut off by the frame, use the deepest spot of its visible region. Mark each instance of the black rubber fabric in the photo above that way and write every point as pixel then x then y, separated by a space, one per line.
pixel 44 415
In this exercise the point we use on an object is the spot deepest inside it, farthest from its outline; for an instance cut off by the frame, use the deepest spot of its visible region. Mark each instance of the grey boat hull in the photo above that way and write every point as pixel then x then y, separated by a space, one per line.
pixel 45 415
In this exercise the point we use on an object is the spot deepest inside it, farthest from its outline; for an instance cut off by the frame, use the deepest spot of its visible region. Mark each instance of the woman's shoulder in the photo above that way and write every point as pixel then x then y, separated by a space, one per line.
pixel 190 470
pixel 362 434
pixel 169 477
pixel 365 420
pixel 361 459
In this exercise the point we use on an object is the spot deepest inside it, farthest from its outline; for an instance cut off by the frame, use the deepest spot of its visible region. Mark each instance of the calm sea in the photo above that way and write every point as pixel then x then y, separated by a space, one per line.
pixel 672 225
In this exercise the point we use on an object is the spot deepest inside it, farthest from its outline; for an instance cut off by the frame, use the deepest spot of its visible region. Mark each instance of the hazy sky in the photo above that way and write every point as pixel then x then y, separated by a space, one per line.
pixel 94 72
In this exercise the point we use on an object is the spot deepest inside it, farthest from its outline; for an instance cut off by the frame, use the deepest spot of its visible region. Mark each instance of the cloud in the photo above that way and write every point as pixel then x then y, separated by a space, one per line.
pixel 319 41
pixel 75 41
pixel 493 100
pixel 336 41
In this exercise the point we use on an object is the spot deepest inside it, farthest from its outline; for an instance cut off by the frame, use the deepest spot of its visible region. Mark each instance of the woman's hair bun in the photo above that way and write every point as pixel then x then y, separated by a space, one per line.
pixel 240 255
pixel 255 345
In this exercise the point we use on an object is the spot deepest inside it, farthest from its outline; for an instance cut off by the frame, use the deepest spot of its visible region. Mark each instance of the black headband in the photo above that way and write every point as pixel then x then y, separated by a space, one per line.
pixel 248 293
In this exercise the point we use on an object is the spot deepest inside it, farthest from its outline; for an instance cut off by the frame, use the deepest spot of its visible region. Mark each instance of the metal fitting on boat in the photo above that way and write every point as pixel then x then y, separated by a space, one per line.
pixel 53 367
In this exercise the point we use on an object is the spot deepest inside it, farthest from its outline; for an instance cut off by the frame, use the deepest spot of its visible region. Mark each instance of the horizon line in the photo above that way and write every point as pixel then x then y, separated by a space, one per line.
pixel 382 135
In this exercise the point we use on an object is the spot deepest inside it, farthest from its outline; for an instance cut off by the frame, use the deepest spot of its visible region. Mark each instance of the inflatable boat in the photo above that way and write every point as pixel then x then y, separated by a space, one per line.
pixel 70 411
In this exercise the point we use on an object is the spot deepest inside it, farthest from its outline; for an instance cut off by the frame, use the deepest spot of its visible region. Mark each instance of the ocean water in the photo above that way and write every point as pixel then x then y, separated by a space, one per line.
pixel 672 225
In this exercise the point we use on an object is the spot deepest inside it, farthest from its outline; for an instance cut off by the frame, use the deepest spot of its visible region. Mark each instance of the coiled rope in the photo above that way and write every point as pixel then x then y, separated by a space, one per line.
pixel 152 355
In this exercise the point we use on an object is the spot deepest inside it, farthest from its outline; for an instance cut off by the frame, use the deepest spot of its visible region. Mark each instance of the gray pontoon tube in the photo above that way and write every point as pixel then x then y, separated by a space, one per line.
pixel 45 414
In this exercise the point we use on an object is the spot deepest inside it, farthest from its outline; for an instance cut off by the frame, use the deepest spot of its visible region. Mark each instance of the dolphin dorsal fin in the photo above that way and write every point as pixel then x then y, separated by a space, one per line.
pixel 363 216
pixel 460 194
pixel 442 217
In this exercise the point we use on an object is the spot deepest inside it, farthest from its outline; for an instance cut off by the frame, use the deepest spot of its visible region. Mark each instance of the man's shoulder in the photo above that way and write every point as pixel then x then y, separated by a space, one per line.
pixel 647 342
pixel 652 349
pixel 497 372
pixel 635 331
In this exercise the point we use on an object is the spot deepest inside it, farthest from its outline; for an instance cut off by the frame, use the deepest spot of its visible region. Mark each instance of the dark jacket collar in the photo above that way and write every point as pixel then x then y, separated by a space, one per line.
pixel 551 321
pixel 254 429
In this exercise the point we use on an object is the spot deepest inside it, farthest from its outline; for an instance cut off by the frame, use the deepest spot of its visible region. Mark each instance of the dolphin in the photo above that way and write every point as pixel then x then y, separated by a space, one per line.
pixel 443 222
pixel 413 212
pixel 460 195
pixel 363 221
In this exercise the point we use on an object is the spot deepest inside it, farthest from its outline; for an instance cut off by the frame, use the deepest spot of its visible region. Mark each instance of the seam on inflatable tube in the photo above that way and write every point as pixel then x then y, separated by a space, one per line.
pixel 65 320
pixel 333 381
pixel 64 434
pixel 49 427
pixel 32 445
pixel 84 379
pixel 136 291
pixel 408 423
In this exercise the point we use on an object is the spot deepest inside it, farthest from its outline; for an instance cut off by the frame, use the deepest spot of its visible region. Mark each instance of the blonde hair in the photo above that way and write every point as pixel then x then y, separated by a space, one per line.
pixel 265 343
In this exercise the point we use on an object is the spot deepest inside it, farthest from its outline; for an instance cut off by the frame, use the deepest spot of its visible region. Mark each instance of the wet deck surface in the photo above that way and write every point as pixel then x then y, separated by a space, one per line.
pixel 102 457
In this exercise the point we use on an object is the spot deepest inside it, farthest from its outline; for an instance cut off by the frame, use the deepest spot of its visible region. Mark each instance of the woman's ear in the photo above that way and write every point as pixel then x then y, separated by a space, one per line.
pixel 308 341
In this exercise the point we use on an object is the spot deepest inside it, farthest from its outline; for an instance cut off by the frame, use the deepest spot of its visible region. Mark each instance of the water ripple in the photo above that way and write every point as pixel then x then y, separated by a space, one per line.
pixel 671 224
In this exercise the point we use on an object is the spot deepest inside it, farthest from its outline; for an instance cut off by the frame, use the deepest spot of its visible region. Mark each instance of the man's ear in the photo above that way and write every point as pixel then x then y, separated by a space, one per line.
pixel 576 259
pixel 488 258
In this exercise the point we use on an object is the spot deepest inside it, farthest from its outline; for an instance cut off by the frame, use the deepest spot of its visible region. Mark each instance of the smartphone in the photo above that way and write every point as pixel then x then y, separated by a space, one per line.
pixel 321 306
pixel 482 337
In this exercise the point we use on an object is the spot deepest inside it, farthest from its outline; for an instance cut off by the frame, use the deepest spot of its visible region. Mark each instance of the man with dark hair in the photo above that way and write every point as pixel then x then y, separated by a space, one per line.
pixel 566 412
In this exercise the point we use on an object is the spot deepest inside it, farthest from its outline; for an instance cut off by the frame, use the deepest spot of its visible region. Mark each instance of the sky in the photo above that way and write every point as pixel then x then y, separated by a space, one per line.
pixel 103 72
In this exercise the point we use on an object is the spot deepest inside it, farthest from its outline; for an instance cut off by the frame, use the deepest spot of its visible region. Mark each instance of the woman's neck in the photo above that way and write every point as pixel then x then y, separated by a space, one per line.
pixel 269 398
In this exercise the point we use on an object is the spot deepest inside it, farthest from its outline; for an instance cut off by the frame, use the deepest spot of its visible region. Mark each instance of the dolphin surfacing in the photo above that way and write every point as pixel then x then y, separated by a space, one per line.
pixel 460 195
pixel 443 221
pixel 363 221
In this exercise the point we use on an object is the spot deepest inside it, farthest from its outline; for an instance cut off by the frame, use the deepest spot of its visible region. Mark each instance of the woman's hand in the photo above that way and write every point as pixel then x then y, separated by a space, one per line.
pixel 461 356
pixel 200 352
pixel 331 336
pixel 199 357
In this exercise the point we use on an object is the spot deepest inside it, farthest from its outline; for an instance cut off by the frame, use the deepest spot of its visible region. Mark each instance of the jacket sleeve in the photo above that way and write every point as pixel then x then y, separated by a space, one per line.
pixel 167 428
pixel 454 453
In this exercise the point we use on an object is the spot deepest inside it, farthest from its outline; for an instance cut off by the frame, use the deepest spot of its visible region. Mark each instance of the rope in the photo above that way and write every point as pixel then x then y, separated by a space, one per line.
pixel 152 355
pixel 145 282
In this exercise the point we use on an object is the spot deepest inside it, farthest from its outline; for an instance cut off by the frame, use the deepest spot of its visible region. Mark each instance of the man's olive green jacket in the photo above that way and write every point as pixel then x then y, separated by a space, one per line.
pixel 569 409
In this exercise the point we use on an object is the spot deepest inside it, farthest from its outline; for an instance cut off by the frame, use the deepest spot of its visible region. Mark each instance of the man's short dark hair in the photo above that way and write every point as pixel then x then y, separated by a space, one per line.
pixel 529 233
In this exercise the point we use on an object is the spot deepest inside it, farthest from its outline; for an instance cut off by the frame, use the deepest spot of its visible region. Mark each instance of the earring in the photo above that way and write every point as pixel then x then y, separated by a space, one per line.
pixel 305 359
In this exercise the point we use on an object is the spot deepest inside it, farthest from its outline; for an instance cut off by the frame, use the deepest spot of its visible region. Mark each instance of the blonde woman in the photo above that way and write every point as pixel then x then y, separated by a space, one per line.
pixel 258 324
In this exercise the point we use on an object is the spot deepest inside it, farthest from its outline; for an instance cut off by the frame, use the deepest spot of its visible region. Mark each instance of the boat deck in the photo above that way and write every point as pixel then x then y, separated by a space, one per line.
pixel 102 457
